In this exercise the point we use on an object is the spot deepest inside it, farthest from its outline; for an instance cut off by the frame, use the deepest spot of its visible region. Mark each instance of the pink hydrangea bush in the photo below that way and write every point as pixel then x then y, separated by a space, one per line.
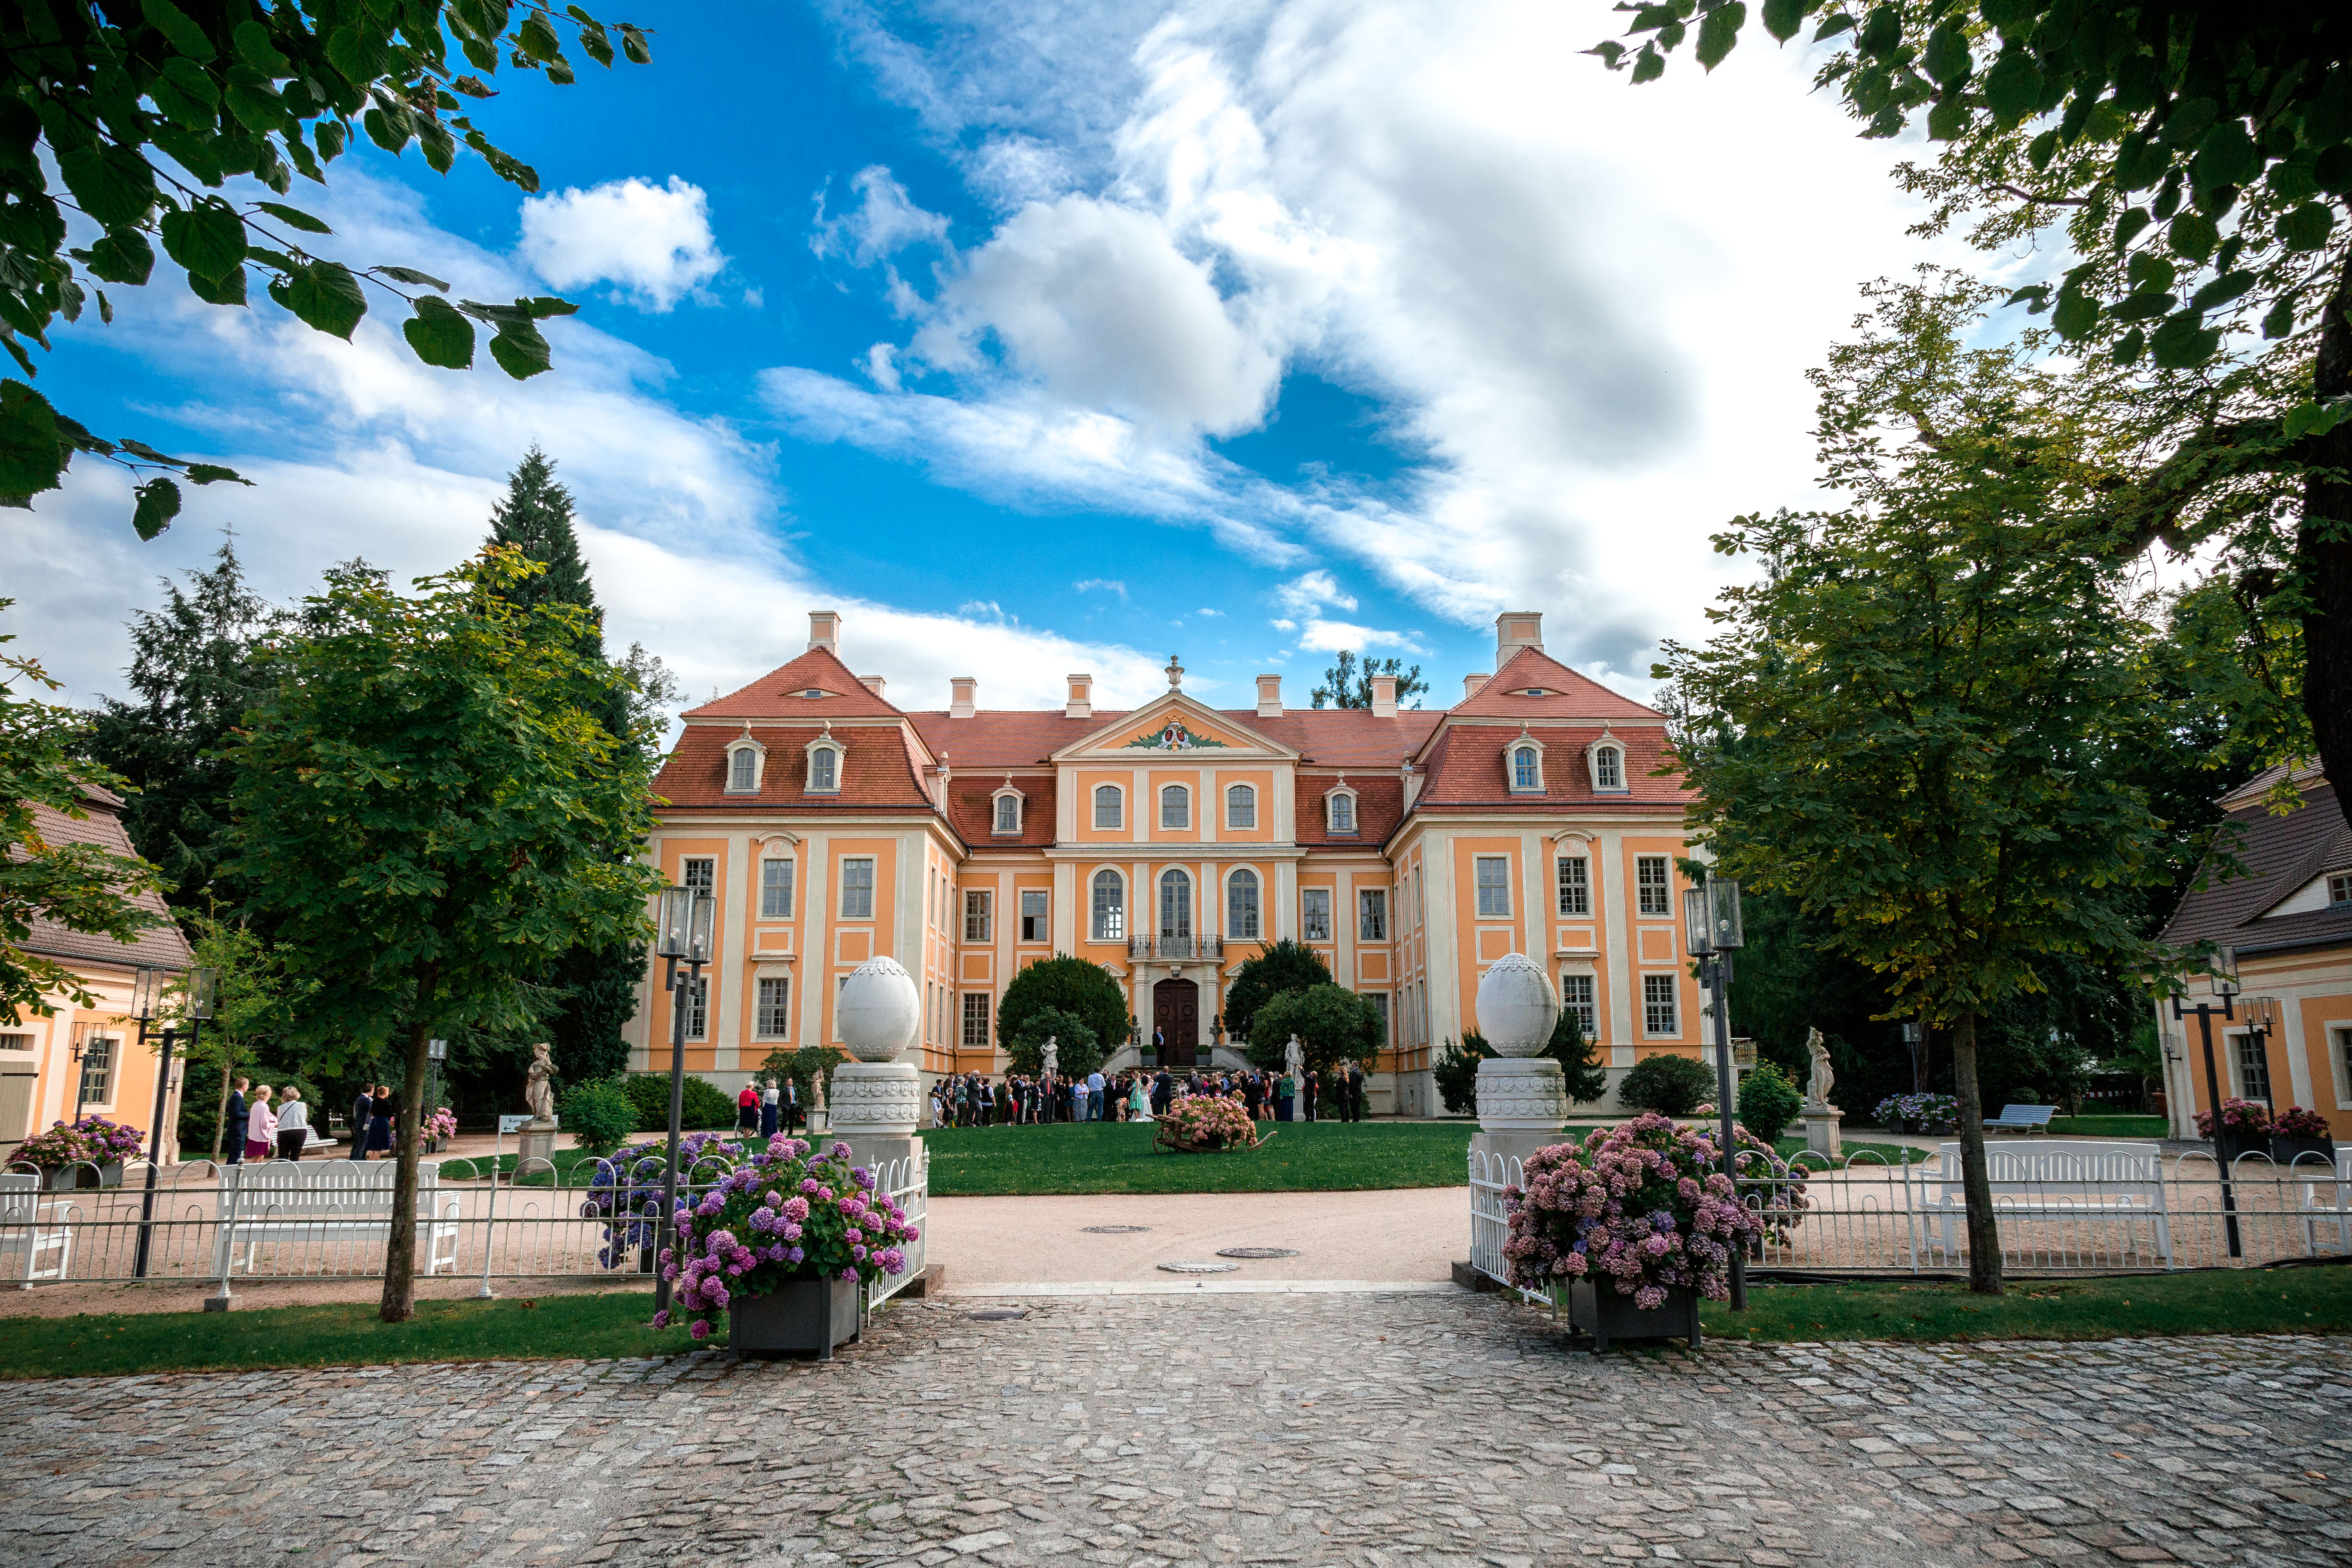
pixel 2295 1122
pixel 442 1123
pixel 1211 1122
pixel 1644 1207
pixel 2238 1116
pixel 92 1140
pixel 786 1212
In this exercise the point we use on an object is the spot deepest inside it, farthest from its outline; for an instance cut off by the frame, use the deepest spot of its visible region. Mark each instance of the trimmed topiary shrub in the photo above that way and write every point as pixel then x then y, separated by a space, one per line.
pixel 1768 1102
pixel 1075 985
pixel 1667 1084
pixel 707 1105
pixel 600 1115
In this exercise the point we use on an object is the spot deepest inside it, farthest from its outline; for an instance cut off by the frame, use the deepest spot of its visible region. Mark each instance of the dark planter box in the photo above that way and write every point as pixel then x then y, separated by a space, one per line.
pixel 1606 1315
pixel 803 1317
pixel 2286 1150
pixel 67 1178
pixel 2229 1144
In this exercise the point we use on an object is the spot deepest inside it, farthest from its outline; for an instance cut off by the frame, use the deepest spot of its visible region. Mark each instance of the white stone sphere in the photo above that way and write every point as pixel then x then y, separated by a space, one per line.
pixel 879 1010
pixel 1517 1007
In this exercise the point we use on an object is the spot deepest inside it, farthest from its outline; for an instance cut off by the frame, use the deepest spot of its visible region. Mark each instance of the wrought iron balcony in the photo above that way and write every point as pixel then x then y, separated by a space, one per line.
pixel 1176 949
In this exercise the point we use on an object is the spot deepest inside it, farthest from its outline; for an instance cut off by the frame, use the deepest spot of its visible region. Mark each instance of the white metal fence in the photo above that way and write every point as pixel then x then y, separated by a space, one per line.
pixel 2062 1206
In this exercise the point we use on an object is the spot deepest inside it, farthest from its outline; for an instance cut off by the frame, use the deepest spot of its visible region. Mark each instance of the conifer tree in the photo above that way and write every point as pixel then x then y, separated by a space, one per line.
pixel 536 518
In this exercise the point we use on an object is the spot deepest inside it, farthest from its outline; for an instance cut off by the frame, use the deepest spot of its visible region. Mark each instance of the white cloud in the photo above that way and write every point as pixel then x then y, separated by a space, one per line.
pixel 1310 591
pixel 884 221
pixel 653 241
pixel 1104 584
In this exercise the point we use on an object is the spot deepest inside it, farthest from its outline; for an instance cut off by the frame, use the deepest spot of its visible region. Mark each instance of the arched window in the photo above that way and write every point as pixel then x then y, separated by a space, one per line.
pixel 1110 907
pixel 1008 813
pixel 743 770
pixel 1525 773
pixel 1175 806
pixel 825 767
pixel 1340 805
pixel 1175 903
pixel 1608 767
pixel 1241 905
pixel 1107 802
pixel 1241 806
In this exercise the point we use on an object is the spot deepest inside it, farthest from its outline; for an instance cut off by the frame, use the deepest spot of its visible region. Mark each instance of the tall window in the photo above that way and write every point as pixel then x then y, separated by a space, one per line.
pixel 776 890
pixel 98 1069
pixel 699 872
pixel 1608 768
pixel 825 771
pixel 695 998
pixel 858 889
pixel 1175 806
pixel 1526 775
pixel 1575 885
pixel 1008 813
pixel 1493 885
pixel 1576 997
pixel 1653 881
pixel 775 1020
pixel 1658 1008
pixel 1379 1001
pixel 1175 904
pixel 975 1020
pixel 742 771
pixel 1241 905
pixel 1110 907
pixel 1343 811
pixel 1034 903
pixel 1373 914
pixel 978 915
pixel 2344 1062
pixel 1106 806
pixel 1315 914
pixel 1241 806
pixel 2253 1069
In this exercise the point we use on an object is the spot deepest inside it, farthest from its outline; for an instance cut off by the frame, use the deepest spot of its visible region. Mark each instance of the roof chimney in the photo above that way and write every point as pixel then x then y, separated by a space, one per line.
pixel 872 683
pixel 1269 697
pixel 824 631
pixel 1516 630
pixel 1384 697
pixel 1471 684
pixel 1081 704
pixel 961 688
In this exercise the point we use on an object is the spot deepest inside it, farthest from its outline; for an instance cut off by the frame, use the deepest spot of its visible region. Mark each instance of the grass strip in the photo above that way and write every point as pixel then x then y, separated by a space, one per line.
pixel 2206 1301
pixel 2110 1126
pixel 585 1327
pixel 1116 1157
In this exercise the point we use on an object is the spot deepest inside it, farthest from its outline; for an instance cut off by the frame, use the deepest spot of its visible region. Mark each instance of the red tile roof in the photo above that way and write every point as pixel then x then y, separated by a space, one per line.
pixel 1380 805
pixel 877 771
pixel 1465 767
pixel 972 809
pixel 1567 694
pixel 1345 737
pixel 1002 738
pixel 2281 855
pixel 779 694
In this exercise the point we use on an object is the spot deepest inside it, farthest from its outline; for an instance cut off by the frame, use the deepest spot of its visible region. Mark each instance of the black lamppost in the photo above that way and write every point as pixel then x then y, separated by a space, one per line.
pixel 683 934
pixel 2224 979
pixel 1711 934
pixel 1915 1038
pixel 195 1005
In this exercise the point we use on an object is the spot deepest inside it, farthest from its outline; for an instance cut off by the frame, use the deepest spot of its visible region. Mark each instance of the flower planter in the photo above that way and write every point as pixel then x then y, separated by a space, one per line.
pixel 68 1178
pixel 2286 1150
pixel 1606 1315
pixel 2229 1143
pixel 802 1316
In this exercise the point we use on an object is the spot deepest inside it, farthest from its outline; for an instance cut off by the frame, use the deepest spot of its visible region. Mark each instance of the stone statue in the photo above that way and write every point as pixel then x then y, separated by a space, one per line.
pixel 1294 1058
pixel 1817 1087
pixel 1053 1056
pixel 539 1085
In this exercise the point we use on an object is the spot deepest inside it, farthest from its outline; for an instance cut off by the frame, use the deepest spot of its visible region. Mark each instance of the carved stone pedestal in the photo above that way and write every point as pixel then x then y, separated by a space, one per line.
pixel 1822 1123
pixel 1522 1101
pixel 534 1141
pixel 877 1109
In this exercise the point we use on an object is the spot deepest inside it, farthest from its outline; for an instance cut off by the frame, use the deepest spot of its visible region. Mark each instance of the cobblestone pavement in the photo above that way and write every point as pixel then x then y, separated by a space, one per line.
pixel 1381 1431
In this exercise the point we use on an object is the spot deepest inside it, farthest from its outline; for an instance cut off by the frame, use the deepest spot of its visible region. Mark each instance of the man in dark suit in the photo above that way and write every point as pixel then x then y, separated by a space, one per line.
pixel 1355 1091
pixel 240 1116
pixel 363 1112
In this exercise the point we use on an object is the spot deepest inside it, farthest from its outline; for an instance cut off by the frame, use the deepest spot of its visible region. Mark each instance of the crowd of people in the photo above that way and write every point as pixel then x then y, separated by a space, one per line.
pixel 1024 1100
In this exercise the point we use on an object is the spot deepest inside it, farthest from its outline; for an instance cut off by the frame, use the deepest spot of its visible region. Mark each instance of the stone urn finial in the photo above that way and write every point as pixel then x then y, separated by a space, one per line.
pixel 1517 1007
pixel 879 1010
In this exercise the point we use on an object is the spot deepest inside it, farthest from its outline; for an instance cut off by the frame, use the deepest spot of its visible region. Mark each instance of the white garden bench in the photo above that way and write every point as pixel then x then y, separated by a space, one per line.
pixel 2022 1119
pixel 329 1200
pixel 33 1226
pixel 2054 1178
pixel 2327 1198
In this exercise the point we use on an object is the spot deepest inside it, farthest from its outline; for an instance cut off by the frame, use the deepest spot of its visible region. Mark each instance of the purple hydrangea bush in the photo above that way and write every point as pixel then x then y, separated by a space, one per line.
pixel 627 1186
pixel 787 1213
pixel 92 1140
pixel 1920 1113
pixel 1644 1207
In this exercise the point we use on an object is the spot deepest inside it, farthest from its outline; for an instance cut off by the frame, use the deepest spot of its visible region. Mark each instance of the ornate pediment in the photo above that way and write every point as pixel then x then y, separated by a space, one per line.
pixel 1174 723
pixel 1172 736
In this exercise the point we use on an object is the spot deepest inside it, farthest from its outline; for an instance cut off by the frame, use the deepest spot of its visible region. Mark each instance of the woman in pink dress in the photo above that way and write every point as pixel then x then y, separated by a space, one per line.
pixel 260 1127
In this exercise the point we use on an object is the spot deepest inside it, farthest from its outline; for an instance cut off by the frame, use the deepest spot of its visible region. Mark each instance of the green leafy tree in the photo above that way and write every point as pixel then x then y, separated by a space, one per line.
pixel 2196 157
pixel 599 1114
pixel 429 816
pixel 805 1068
pixel 135 116
pixel 1333 1025
pixel 1288 965
pixel 82 887
pixel 1075 985
pixel 1077 1049
pixel 1349 684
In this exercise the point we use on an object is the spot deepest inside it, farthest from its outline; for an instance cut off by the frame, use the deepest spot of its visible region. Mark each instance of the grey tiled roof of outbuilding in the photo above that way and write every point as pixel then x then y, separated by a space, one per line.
pixel 2280 854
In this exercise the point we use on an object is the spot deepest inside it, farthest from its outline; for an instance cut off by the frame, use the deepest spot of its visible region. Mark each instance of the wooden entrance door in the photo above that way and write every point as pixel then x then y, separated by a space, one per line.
pixel 1176 1014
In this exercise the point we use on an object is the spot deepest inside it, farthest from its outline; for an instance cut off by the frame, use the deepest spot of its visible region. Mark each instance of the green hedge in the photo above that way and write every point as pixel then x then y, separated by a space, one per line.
pixel 707 1105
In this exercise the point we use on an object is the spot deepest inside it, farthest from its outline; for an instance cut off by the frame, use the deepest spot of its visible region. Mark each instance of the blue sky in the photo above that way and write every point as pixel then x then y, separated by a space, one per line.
pixel 1050 337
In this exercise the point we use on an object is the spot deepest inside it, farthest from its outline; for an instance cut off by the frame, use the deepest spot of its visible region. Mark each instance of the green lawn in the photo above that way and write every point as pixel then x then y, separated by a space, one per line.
pixel 603 1324
pixel 2224 1300
pixel 1116 1157
pixel 2110 1126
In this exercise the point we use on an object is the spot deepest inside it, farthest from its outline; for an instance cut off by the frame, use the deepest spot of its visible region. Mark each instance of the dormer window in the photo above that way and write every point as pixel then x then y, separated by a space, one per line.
pixel 1523 763
pixel 814 692
pixel 1004 810
pixel 746 762
pixel 1607 758
pixel 1340 811
pixel 825 756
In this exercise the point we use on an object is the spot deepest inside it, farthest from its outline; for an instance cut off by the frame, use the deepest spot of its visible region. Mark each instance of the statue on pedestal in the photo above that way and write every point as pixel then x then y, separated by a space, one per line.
pixel 1817 1086
pixel 539 1085
pixel 1053 1056
pixel 1294 1059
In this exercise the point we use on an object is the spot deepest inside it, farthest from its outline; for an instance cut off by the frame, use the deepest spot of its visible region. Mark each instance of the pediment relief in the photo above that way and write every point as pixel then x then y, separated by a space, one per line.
pixel 1174 725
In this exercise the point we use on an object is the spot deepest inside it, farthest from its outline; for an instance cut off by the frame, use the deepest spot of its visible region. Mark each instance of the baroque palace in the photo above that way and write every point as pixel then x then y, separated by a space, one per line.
pixel 1410 849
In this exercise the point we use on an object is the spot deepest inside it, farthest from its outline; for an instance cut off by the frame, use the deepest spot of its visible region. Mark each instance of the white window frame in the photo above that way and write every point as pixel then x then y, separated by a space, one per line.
pixel 101 1060
pixel 1244 896
pixel 975 1011
pixel 979 914
pixel 1183 907
pixel 1524 743
pixel 996 804
pixel 1579 994
pixel 1573 881
pixel 1241 808
pixel 1607 759
pixel 1182 795
pixel 2339 888
pixel 764 1014
pixel 2240 1039
pixel 1114 928
pixel 1042 923
pixel 2339 1060
pixel 741 751
pixel 1332 800
pixel 695 997
pixel 1118 807
pixel 1643 887
pixel 1662 992
pixel 849 912
pixel 700 871
pixel 1485 909
pixel 835 754
pixel 1308 914
pixel 773 907
pixel 1372 915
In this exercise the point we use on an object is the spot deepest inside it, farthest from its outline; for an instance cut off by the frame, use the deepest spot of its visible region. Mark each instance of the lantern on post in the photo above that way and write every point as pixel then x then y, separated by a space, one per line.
pixel 682 935
pixel 1712 932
